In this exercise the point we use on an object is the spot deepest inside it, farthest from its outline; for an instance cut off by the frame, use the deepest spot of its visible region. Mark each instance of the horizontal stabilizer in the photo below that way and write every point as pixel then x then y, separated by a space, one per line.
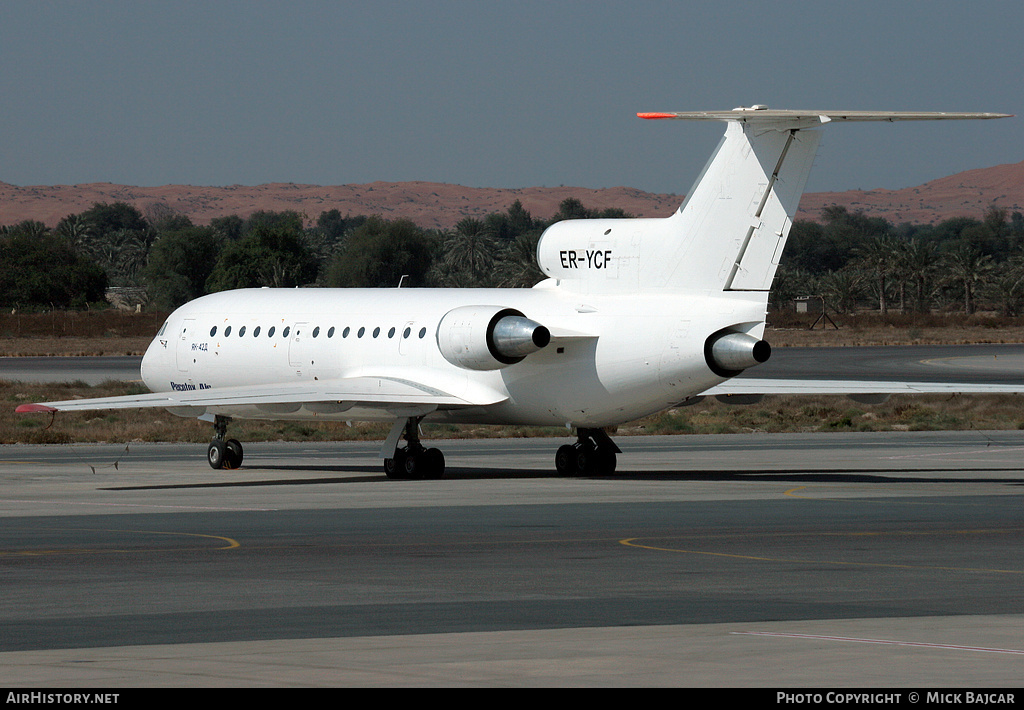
pixel 766 115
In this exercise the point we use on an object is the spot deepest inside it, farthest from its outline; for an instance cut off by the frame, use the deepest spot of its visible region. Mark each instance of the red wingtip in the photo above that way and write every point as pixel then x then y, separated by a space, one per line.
pixel 656 115
pixel 25 408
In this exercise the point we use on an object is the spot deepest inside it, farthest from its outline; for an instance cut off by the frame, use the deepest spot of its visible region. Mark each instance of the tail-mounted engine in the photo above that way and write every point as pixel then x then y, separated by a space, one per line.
pixel 488 337
pixel 728 353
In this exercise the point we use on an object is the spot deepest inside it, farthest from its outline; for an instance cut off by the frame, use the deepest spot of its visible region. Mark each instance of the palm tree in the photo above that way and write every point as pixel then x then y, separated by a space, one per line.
pixel 841 289
pixel 967 267
pixel 916 263
pixel 1007 286
pixel 877 256
pixel 75 228
pixel 471 249
pixel 518 266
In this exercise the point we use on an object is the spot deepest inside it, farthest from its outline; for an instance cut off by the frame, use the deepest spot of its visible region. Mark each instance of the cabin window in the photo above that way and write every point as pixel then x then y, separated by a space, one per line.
pixel 361 331
pixel 391 333
pixel 423 331
pixel 256 332
pixel 407 332
pixel 316 331
pixel 330 332
pixel 376 332
pixel 241 331
pixel 227 331
pixel 213 331
pixel 345 332
pixel 284 333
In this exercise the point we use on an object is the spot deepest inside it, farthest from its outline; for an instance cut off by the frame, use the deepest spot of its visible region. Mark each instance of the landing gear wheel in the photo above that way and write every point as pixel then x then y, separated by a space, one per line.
pixel 414 466
pixel 606 462
pixel 215 454
pixel 412 461
pixel 585 460
pixel 565 460
pixel 223 452
pixel 395 468
pixel 593 454
pixel 232 454
pixel 591 461
pixel 434 460
pixel 601 462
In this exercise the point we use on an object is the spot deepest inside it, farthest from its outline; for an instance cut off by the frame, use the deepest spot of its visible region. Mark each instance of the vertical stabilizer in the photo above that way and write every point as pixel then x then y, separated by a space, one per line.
pixel 730 232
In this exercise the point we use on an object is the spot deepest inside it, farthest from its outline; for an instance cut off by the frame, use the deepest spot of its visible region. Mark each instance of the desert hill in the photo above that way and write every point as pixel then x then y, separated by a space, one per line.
pixel 439 205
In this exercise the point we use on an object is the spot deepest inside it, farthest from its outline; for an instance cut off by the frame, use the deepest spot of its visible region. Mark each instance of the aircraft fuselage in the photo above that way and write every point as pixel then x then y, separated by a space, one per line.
pixel 611 359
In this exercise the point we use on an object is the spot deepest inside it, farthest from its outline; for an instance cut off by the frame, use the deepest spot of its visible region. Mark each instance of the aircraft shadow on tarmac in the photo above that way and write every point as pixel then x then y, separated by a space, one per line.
pixel 844 475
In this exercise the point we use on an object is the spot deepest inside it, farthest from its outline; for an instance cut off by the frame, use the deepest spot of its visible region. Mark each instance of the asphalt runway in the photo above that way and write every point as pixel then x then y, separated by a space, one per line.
pixel 823 560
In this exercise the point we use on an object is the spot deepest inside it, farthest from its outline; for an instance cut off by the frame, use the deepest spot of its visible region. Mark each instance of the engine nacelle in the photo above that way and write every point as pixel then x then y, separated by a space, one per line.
pixel 488 337
pixel 728 353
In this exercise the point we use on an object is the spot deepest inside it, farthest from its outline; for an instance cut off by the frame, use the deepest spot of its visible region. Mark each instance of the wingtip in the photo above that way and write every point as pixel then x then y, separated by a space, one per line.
pixel 655 115
pixel 29 408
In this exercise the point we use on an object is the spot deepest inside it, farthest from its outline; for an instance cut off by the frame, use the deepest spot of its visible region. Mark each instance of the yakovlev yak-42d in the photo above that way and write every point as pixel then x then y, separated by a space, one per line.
pixel 636 315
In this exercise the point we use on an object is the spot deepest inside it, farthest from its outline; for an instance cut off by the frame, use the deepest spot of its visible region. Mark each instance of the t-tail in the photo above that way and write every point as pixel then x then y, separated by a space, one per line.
pixel 730 232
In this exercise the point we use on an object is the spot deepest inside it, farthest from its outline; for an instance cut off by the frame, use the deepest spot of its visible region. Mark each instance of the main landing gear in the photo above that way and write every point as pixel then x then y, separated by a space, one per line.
pixel 223 453
pixel 593 454
pixel 413 461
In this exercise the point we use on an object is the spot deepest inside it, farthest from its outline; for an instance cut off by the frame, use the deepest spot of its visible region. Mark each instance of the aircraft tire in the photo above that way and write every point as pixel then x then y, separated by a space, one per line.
pixel 565 460
pixel 394 468
pixel 591 461
pixel 232 454
pixel 586 458
pixel 434 460
pixel 604 462
pixel 415 466
pixel 215 454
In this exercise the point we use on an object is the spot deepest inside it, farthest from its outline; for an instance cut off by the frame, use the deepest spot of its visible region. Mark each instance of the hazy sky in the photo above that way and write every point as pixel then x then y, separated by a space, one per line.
pixel 490 94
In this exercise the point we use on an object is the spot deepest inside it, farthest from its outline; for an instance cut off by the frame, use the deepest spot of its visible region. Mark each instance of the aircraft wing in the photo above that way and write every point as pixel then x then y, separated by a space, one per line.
pixel 338 394
pixel 754 386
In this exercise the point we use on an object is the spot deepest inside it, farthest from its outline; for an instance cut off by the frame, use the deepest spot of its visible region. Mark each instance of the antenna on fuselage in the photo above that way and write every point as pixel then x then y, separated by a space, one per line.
pixel 401 280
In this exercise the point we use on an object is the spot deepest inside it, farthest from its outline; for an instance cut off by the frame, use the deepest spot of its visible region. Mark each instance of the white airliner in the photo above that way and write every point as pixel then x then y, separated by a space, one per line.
pixel 637 315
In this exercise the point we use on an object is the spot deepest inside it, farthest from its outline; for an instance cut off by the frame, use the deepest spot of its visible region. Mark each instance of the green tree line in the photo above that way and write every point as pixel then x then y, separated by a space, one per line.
pixel 852 260
pixel 174 260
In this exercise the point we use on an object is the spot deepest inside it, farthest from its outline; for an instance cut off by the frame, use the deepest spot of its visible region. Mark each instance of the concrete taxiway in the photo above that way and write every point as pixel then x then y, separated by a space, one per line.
pixel 852 560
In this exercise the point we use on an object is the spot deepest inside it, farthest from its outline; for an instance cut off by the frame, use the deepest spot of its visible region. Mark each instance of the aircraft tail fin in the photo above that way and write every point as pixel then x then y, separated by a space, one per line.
pixel 730 231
